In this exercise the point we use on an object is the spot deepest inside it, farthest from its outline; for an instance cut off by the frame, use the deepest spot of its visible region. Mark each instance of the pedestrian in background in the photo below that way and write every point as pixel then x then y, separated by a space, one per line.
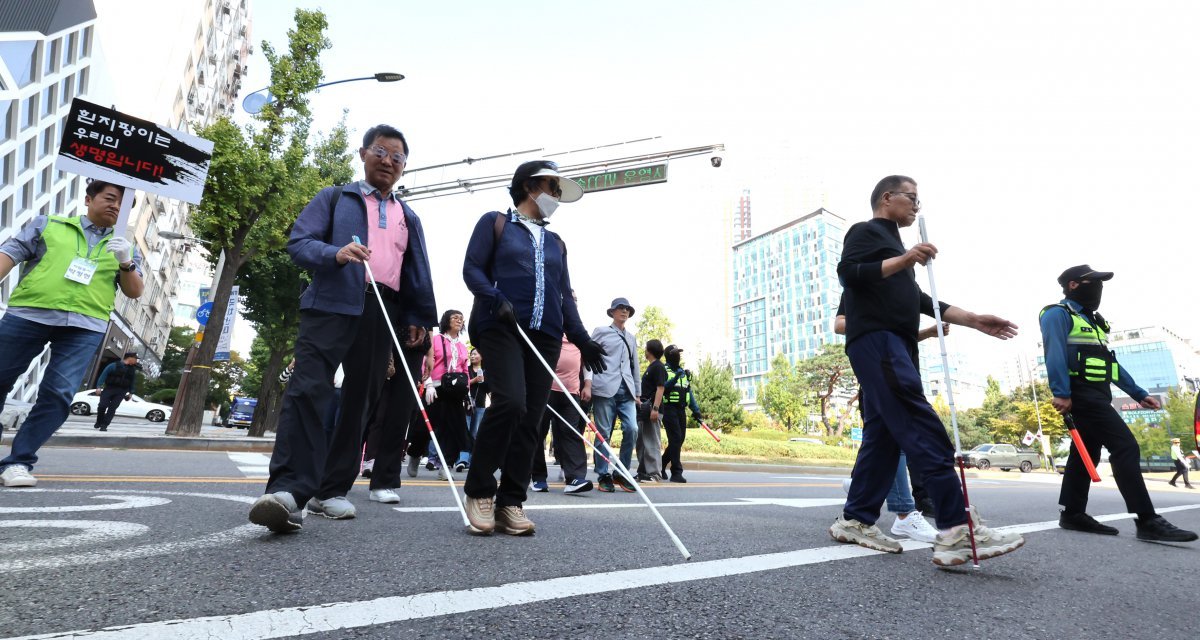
pixel 478 394
pixel 1181 463
pixel 615 391
pixel 517 271
pixel 446 389
pixel 568 447
pixel 117 383
pixel 73 268
pixel 649 442
pixel 339 324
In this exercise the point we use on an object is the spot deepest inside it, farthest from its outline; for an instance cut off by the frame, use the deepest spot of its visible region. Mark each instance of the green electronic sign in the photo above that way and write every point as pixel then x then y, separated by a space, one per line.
pixel 621 178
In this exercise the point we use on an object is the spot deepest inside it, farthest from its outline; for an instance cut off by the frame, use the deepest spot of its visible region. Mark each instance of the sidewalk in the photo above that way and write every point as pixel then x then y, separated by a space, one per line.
pixel 77 431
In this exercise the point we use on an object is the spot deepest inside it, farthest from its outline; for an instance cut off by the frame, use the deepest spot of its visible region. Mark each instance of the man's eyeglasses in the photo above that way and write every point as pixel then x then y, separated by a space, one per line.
pixel 911 196
pixel 381 153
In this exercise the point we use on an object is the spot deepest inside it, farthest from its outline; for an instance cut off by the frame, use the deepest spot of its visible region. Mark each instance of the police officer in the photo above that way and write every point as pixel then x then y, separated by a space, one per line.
pixel 1080 368
pixel 116 383
pixel 677 396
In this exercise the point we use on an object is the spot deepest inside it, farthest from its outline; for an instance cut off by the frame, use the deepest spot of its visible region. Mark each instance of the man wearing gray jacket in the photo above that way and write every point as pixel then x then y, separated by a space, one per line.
pixel 614 391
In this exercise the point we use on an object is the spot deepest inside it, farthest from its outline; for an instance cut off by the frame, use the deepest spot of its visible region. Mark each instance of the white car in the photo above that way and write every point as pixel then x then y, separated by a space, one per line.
pixel 85 404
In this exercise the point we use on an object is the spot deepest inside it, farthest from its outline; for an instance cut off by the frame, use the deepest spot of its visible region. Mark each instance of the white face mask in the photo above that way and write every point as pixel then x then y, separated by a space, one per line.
pixel 546 204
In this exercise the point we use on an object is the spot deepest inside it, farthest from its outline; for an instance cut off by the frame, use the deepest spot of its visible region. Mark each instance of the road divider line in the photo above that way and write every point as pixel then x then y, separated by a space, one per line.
pixel 337 616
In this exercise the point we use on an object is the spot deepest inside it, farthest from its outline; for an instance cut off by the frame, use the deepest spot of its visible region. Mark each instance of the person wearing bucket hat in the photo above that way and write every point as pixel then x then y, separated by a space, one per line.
pixel 615 391
pixel 1081 370
pixel 517 270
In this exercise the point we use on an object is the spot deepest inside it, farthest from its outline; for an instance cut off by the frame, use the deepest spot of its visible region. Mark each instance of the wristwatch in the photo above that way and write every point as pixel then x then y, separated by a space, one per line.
pixel 132 265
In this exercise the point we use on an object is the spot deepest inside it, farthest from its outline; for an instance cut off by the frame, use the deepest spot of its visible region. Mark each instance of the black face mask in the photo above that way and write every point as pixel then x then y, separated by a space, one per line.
pixel 1087 294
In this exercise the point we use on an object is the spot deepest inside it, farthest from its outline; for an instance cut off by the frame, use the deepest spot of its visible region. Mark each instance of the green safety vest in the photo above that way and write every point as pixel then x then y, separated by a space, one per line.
pixel 678 393
pixel 1093 362
pixel 46 285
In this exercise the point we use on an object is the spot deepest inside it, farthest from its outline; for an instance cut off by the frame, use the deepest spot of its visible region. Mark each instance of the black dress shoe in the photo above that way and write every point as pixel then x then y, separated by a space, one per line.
pixel 1084 522
pixel 678 478
pixel 1157 529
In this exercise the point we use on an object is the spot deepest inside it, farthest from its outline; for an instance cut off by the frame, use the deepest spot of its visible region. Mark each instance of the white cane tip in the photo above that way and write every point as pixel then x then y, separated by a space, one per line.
pixel 975 566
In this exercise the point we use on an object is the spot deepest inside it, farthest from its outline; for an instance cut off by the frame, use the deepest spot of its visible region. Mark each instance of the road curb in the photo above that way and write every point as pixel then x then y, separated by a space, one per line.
pixel 156 442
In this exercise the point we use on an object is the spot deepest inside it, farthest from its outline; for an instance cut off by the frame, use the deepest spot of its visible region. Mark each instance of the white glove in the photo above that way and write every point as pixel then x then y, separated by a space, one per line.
pixel 430 393
pixel 122 248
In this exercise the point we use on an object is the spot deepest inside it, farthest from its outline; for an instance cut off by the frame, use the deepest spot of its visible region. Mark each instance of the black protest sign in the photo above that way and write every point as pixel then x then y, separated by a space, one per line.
pixel 108 145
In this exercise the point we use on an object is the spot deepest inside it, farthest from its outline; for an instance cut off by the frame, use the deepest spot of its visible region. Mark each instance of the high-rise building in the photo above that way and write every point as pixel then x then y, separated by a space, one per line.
pixel 201 50
pixel 784 296
pixel 46 55
pixel 970 383
pixel 741 218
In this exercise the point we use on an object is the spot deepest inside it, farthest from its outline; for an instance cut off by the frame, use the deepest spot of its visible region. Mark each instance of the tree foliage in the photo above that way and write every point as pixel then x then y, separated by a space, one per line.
pixel 653 324
pixel 828 377
pixel 784 396
pixel 717 396
pixel 256 185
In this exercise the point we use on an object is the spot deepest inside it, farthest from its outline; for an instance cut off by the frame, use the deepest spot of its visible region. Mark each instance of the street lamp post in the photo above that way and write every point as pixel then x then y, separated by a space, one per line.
pixel 255 102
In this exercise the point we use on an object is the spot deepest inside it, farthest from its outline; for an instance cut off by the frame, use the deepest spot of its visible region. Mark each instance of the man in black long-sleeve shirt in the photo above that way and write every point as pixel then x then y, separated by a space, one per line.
pixel 883 308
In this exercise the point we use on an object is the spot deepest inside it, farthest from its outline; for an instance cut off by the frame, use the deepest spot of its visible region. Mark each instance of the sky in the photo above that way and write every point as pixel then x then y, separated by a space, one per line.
pixel 1042 135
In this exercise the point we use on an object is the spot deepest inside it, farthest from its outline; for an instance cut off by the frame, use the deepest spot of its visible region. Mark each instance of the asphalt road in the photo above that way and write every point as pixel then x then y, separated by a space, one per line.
pixel 111 539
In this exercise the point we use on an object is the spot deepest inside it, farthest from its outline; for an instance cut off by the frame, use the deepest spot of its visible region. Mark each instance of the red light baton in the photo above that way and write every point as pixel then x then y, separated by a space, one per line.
pixel 1083 452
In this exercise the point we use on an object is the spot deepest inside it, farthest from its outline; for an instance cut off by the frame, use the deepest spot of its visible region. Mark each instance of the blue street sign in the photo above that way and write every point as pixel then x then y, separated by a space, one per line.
pixel 203 313
pixel 856 434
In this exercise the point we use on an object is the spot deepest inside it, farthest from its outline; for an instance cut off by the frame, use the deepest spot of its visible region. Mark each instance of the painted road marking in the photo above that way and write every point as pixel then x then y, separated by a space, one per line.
pixel 799 503
pixel 252 464
pixel 336 616
pixel 123 502
pixel 220 538
pixel 92 531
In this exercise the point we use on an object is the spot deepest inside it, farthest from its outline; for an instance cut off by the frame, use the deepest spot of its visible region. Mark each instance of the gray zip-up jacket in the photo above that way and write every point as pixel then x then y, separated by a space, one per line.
pixel 620 362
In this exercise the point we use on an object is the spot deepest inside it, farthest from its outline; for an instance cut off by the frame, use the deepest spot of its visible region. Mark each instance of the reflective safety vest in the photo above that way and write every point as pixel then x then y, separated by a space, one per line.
pixel 46 287
pixel 1093 361
pixel 678 384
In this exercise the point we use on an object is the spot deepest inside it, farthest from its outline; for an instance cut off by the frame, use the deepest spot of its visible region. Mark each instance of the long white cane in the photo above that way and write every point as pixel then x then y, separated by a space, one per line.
pixel 941 333
pixel 412 384
pixel 616 461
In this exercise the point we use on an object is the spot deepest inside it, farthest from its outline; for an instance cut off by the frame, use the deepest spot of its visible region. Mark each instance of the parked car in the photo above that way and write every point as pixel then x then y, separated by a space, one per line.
pixel 1005 457
pixel 85 403
pixel 241 414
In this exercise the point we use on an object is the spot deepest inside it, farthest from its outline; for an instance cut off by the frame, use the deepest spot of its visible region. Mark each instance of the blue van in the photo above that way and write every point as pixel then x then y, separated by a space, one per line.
pixel 241 413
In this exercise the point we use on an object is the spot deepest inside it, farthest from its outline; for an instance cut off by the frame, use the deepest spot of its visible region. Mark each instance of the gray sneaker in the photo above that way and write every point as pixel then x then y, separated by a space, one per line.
pixel 414 463
pixel 954 548
pixel 482 516
pixel 277 512
pixel 338 508
pixel 863 535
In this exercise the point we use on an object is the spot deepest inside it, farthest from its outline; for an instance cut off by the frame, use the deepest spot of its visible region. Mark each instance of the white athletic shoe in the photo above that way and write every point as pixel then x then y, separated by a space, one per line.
pixel 916 527
pixel 386 496
pixel 17 476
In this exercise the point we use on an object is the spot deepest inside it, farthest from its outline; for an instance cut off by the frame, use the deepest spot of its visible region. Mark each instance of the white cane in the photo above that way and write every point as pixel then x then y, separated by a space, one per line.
pixel 571 428
pixel 616 461
pixel 412 384
pixel 941 333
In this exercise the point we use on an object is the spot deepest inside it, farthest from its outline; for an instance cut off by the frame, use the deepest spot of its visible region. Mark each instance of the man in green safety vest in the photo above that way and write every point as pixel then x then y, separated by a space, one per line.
pixel 1080 369
pixel 72 269
pixel 677 398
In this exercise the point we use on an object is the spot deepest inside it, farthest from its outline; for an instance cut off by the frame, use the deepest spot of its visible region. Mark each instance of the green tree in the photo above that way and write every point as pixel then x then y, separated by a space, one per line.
pixel 784 395
pixel 653 324
pixel 1180 420
pixel 166 385
pixel 827 376
pixel 717 396
pixel 254 190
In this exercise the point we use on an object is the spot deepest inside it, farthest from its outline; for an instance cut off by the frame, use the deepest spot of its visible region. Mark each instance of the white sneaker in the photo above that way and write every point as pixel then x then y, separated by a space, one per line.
pixel 17 476
pixel 386 496
pixel 338 508
pixel 846 486
pixel 914 526
pixel 441 474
